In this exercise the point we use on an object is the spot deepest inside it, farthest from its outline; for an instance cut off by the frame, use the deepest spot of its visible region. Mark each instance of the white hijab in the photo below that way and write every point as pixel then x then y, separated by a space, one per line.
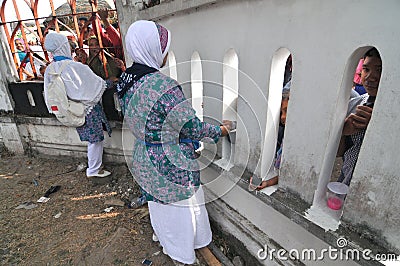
pixel 57 44
pixel 81 83
pixel 143 44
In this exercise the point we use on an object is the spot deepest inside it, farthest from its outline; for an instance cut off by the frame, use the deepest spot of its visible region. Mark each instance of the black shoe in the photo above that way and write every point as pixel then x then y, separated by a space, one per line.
pixel 138 202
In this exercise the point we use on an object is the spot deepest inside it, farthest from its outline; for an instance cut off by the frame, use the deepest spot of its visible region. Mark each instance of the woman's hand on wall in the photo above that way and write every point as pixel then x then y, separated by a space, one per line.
pixel 226 127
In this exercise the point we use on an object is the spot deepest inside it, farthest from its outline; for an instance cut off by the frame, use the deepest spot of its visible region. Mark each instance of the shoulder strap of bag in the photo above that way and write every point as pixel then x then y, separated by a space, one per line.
pixel 63 66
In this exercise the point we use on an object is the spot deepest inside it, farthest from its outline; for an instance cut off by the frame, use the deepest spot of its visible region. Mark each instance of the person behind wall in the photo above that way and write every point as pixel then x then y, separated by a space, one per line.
pixel 110 36
pixel 96 63
pixel 81 56
pixel 288 70
pixel 359 114
pixel 82 85
pixel 106 67
pixel 272 176
pixel 357 86
pixel 22 50
pixel 83 25
pixel 25 62
pixel 163 159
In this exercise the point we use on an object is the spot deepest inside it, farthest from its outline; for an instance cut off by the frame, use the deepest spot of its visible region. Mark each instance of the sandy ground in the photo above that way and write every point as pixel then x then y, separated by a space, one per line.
pixel 72 228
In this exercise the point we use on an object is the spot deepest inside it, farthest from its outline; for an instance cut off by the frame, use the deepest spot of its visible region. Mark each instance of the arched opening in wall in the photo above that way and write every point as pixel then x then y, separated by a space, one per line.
pixel 30 98
pixel 278 99
pixel 196 79
pixel 230 86
pixel 333 185
pixel 26 23
pixel 197 84
pixel 173 73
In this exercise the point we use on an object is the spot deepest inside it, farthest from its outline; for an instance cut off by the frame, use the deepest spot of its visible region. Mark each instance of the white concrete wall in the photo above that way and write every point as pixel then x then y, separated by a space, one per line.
pixel 326 39
pixel 9 134
pixel 48 136
pixel 7 74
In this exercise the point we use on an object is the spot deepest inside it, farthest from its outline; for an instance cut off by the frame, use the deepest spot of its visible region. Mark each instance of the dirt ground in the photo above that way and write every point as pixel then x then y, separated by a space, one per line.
pixel 72 228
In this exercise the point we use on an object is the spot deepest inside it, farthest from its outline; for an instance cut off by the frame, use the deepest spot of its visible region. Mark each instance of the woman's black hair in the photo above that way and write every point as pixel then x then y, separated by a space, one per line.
pixel 373 52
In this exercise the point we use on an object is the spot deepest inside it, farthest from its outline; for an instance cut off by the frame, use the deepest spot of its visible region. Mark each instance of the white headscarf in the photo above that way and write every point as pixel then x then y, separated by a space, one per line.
pixel 81 83
pixel 143 43
pixel 57 44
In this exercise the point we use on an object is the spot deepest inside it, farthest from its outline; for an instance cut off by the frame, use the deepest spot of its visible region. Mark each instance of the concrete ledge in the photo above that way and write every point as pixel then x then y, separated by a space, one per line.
pixel 46 135
pixel 48 121
pixel 7 119
pixel 242 237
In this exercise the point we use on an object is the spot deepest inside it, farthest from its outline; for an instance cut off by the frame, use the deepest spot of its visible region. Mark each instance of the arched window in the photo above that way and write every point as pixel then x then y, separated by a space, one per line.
pixel 230 84
pixel 30 98
pixel 172 65
pixel 280 73
pixel 197 84
pixel 333 185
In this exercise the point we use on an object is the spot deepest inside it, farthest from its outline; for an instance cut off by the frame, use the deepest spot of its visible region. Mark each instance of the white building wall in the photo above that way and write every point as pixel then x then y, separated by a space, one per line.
pixel 9 134
pixel 7 74
pixel 326 39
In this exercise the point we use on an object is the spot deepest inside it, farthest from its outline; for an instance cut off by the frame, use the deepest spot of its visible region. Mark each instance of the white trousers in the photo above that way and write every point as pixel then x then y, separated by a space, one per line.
pixel 181 227
pixel 95 157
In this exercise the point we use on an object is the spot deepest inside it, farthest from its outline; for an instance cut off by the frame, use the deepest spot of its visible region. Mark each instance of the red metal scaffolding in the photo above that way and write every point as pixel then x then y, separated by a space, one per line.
pixel 52 19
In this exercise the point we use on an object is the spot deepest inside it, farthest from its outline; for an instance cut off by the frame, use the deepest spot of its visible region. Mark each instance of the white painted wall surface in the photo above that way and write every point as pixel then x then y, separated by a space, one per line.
pixel 197 84
pixel 9 134
pixel 7 74
pixel 326 39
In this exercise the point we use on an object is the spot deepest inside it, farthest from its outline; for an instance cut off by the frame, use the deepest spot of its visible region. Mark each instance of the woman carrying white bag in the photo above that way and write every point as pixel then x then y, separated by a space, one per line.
pixel 82 86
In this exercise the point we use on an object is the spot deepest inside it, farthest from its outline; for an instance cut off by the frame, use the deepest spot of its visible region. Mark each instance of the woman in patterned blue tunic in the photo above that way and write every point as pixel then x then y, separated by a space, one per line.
pixel 164 159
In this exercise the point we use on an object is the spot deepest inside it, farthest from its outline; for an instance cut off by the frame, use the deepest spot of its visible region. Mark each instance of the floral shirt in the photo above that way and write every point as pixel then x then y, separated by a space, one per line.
pixel 158 115
pixel 353 144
